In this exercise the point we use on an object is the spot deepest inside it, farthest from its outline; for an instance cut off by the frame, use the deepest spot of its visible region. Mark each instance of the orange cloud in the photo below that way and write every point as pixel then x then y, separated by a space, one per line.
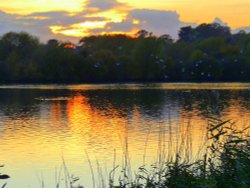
pixel 106 11
pixel 68 20
pixel 31 6
pixel 110 15
pixel 79 29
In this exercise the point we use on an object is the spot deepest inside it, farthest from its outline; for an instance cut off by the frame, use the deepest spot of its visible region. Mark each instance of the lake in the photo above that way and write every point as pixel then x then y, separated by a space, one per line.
pixel 98 126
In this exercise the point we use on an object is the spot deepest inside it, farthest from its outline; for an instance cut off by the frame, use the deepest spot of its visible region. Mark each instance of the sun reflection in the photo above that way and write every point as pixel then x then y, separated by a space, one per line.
pixel 99 129
pixel 56 112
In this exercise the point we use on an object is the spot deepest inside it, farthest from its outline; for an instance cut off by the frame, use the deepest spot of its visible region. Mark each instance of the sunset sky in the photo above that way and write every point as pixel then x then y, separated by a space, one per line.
pixel 73 19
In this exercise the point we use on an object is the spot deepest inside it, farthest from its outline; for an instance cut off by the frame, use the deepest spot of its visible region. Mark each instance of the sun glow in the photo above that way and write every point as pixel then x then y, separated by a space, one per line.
pixel 136 22
pixel 79 29
pixel 84 29
pixel 68 32
pixel 91 25
pixel 129 33
pixel 31 6
pixel 115 16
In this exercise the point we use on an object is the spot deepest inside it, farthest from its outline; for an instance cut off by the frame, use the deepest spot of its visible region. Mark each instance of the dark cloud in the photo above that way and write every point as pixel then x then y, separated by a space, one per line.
pixel 58 18
pixel 126 26
pixel 36 24
pixel 12 22
pixel 8 22
pixel 104 4
pixel 156 21
pixel 159 22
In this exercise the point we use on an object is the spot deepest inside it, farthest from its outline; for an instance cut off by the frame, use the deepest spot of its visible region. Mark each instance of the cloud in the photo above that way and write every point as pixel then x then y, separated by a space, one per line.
pixel 104 4
pixel 39 24
pixel 220 21
pixel 67 26
pixel 156 21
pixel 234 31
pixel 96 14
pixel 13 22
pixel 246 29
pixel 35 24
pixel 112 17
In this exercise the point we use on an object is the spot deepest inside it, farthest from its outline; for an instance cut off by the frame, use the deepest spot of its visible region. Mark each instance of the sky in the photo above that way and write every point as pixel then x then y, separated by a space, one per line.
pixel 74 19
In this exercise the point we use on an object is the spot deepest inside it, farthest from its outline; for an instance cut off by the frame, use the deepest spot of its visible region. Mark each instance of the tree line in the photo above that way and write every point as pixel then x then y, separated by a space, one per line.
pixel 206 53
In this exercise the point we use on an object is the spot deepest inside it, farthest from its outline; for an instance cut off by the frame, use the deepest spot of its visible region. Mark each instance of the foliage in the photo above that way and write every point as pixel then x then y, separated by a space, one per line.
pixel 208 52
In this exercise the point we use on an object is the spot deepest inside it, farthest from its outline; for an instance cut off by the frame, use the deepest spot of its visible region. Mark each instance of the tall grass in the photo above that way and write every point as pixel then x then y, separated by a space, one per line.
pixel 225 163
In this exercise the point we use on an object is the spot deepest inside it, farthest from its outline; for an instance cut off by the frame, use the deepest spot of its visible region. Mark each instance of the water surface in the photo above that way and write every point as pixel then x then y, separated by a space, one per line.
pixel 42 125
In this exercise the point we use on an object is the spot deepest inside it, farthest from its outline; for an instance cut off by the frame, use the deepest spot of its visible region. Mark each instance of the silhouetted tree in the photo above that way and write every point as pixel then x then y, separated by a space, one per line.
pixel 203 31
pixel 207 52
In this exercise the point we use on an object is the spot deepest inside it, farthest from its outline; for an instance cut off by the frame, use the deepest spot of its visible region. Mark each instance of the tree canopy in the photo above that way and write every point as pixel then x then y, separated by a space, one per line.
pixel 208 52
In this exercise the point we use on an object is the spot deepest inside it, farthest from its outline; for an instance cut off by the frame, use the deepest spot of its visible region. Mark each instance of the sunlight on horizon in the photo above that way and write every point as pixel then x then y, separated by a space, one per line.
pixel 31 6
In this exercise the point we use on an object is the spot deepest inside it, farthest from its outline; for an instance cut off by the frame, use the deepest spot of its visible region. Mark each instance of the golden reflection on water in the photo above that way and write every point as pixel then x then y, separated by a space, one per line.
pixel 98 130
pixel 68 127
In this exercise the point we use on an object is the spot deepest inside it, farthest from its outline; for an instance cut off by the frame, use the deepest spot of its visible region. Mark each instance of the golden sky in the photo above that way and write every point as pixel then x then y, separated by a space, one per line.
pixel 104 16
pixel 235 12
pixel 29 6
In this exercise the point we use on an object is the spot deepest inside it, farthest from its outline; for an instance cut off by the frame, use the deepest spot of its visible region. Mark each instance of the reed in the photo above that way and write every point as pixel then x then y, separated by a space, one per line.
pixel 225 162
